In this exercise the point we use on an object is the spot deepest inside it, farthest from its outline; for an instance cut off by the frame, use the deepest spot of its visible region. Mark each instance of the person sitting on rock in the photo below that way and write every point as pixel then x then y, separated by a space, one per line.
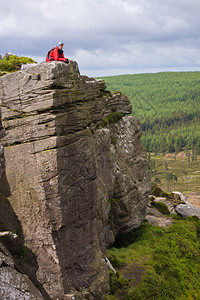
pixel 56 53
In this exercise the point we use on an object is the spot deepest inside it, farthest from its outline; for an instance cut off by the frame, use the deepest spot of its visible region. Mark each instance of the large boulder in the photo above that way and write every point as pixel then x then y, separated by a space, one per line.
pixel 76 174
pixel 187 210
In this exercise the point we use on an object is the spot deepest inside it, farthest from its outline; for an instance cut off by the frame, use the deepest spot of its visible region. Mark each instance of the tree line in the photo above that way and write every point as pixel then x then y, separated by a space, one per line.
pixel 168 106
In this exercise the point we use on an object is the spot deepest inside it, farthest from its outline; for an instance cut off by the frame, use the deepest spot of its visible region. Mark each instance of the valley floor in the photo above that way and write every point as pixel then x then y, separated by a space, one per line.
pixel 194 199
pixel 177 173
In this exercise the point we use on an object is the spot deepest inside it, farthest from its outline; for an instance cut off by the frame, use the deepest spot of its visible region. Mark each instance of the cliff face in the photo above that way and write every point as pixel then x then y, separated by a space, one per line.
pixel 74 172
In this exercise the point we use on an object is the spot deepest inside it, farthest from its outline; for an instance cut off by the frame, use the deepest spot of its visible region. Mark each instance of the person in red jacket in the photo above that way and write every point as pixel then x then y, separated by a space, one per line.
pixel 56 53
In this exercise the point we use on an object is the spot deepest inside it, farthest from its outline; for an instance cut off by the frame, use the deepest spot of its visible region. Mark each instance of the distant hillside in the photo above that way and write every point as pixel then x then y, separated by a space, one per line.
pixel 168 106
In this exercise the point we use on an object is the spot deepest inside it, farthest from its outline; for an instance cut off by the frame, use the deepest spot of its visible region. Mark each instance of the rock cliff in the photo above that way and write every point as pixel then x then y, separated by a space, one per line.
pixel 73 172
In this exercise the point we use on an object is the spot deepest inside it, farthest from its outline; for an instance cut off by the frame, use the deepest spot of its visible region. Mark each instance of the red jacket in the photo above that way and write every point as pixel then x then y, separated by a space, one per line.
pixel 56 54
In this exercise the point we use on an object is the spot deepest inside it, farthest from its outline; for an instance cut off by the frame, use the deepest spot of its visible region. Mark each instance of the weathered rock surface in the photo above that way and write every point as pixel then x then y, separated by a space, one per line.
pixel 13 284
pixel 187 210
pixel 156 218
pixel 2 161
pixel 75 174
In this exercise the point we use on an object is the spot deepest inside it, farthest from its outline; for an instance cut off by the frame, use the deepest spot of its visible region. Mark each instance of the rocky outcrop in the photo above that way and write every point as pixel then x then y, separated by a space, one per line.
pixel 160 208
pixel 156 218
pixel 75 174
pixel 13 284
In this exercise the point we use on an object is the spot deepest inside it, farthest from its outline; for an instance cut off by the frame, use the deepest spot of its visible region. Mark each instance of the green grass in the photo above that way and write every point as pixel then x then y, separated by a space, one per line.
pixel 158 263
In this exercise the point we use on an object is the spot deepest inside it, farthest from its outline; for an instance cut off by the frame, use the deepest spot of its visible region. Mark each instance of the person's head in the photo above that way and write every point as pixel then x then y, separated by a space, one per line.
pixel 60 45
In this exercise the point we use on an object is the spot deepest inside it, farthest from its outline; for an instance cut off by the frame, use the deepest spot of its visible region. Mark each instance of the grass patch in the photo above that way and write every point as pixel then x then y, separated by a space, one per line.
pixel 112 118
pixel 113 200
pixel 169 260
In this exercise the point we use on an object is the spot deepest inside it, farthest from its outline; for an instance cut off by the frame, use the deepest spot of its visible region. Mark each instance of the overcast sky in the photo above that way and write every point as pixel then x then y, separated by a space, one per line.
pixel 106 37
